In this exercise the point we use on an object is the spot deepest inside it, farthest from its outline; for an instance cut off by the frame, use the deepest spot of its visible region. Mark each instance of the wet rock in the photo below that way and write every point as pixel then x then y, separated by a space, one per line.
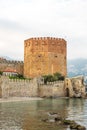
pixel 59 122
pixel 52 114
pixel 81 127
pixel 68 122
pixel 77 127
pixel 74 126
pixel 58 118
pixel 77 95
pixel 44 120
pixel 51 120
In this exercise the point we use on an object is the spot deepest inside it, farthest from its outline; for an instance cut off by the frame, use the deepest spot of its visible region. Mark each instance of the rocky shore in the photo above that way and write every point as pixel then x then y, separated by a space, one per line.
pixel 58 120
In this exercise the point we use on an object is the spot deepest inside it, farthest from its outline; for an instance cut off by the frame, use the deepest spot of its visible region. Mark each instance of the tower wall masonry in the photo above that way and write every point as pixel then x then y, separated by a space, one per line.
pixel 45 55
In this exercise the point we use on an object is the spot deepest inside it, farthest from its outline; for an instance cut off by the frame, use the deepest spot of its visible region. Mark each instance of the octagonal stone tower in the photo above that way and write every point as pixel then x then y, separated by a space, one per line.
pixel 43 56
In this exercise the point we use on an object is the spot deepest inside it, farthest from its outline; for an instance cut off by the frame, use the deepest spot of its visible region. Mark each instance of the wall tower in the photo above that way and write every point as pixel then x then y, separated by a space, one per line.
pixel 44 56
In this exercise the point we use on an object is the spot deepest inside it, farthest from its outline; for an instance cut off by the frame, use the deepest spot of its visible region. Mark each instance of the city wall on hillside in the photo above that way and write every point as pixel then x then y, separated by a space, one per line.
pixel 17 65
pixel 73 87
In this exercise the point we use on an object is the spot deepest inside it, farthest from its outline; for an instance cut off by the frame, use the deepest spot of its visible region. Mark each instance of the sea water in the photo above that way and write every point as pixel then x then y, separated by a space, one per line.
pixel 28 115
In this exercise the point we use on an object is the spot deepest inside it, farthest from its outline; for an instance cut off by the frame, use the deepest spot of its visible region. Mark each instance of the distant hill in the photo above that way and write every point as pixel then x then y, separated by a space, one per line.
pixel 7 58
pixel 77 67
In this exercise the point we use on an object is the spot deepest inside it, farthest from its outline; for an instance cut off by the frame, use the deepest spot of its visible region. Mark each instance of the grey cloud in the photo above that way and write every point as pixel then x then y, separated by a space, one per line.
pixel 10 25
pixel 21 19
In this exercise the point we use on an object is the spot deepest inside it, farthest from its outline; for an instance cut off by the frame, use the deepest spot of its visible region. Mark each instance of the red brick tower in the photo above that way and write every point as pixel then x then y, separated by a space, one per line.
pixel 44 56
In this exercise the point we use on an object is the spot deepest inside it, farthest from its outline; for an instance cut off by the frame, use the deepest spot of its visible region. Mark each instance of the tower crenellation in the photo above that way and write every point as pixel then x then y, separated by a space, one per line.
pixel 44 38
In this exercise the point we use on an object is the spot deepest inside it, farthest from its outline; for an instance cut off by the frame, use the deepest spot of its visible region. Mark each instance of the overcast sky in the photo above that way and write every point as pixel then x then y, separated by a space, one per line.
pixel 23 19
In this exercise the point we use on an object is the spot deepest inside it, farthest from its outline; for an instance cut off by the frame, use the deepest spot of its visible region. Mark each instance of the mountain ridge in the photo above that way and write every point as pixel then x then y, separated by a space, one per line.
pixel 77 67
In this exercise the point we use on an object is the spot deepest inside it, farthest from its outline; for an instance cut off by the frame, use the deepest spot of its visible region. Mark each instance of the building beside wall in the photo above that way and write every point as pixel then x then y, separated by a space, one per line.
pixel 44 56
pixel 8 66
pixel 10 72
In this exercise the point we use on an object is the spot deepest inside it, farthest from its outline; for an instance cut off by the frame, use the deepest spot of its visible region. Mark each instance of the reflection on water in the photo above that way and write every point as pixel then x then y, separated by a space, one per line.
pixel 27 115
pixel 77 110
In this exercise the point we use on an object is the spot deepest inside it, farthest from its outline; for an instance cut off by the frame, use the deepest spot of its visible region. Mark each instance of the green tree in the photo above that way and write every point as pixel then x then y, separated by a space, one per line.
pixel 61 78
pixel 48 78
pixel 55 77
pixel 1 72
pixel 58 76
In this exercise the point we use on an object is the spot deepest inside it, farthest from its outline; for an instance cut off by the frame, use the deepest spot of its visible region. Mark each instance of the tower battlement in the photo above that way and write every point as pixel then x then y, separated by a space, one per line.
pixel 45 44
pixel 45 38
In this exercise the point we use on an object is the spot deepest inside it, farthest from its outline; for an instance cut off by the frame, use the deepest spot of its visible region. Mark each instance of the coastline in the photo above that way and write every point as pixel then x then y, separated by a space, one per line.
pixel 17 99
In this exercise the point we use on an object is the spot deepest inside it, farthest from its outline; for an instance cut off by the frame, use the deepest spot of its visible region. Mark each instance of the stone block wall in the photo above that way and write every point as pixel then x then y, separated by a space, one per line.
pixel 73 87
pixel 19 88
pixel 53 89
pixel 26 88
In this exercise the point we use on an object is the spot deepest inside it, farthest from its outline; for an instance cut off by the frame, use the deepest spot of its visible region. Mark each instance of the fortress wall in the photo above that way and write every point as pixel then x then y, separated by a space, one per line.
pixel 26 88
pixel 19 88
pixel 73 87
pixel 55 89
